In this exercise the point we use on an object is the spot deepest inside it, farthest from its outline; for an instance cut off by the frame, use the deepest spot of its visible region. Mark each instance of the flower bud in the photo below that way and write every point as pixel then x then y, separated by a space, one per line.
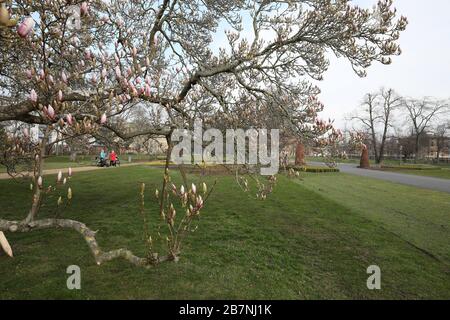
pixel 33 96
pixel 64 77
pixel 103 119
pixel 25 27
pixel 205 188
pixel 194 189
pixel 69 119
pixel 69 194
pixel 59 176
pixel 39 182
pixel 50 112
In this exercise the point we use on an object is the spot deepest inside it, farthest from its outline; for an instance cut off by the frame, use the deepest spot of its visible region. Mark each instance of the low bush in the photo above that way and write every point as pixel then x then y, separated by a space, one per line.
pixel 311 169
pixel 410 167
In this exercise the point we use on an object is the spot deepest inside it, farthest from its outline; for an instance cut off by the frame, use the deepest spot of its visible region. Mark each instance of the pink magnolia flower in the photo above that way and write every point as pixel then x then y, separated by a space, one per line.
pixel 69 119
pixel 50 112
pixel 29 74
pixel 103 119
pixel 118 72
pixel 64 77
pixel 39 182
pixel 147 90
pixel 84 8
pixel 60 95
pixel 59 176
pixel 70 172
pixel 25 27
pixel 33 96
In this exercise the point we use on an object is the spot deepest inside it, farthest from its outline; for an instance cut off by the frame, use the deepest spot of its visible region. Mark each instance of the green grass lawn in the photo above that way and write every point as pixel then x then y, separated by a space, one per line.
pixel 63 162
pixel 311 239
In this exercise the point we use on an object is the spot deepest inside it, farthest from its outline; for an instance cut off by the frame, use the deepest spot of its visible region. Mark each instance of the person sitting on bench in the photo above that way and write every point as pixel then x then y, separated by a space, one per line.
pixel 102 157
pixel 112 158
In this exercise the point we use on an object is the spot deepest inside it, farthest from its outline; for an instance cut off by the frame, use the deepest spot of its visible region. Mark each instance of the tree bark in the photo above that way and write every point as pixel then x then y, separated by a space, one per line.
pixel 300 154
pixel 88 235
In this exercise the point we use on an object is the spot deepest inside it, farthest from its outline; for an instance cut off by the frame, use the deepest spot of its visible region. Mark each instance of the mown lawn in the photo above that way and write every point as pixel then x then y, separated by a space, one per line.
pixel 60 162
pixel 305 242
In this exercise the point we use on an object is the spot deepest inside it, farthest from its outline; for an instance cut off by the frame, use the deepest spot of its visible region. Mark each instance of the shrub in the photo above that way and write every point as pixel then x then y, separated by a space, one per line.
pixel 311 169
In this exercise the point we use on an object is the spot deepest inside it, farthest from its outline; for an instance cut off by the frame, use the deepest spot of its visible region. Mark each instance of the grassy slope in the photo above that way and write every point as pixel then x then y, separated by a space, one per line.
pixel 418 216
pixel 297 244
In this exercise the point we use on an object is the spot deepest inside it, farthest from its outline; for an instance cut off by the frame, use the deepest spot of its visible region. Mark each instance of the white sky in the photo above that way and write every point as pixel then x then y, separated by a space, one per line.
pixel 422 70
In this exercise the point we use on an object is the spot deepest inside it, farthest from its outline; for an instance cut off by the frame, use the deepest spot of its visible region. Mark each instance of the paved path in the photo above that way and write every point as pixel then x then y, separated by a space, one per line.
pixel 4 176
pixel 408 179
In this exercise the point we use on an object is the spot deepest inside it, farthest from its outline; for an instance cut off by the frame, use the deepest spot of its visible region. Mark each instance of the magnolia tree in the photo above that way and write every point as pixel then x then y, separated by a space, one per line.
pixel 79 67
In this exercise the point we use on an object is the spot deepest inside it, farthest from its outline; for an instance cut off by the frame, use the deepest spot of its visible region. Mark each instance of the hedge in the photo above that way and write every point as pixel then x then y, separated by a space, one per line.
pixel 314 169
pixel 411 167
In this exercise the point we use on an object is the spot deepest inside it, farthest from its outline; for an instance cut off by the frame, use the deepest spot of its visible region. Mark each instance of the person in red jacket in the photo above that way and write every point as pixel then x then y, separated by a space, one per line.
pixel 112 158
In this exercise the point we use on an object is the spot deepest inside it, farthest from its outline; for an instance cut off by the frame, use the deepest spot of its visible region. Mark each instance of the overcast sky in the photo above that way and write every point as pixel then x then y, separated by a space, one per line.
pixel 422 70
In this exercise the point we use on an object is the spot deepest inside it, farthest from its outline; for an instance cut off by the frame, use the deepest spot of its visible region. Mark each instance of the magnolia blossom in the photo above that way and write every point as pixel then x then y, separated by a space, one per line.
pixel 182 190
pixel 64 77
pixel 147 90
pixel 25 27
pixel 194 189
pixel 60 95
pixel 70 172
pixel 84 8
pixel 50 112
pixel 69 119
pixel 118 72
pixel 59 176
pixel 103 119
pixel 33 96
pixel 39 182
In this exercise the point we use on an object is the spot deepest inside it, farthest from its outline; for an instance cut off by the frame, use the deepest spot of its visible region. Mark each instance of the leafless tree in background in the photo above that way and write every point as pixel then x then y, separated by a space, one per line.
pixel 421 113
pixel 376 117
pixel 441 134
